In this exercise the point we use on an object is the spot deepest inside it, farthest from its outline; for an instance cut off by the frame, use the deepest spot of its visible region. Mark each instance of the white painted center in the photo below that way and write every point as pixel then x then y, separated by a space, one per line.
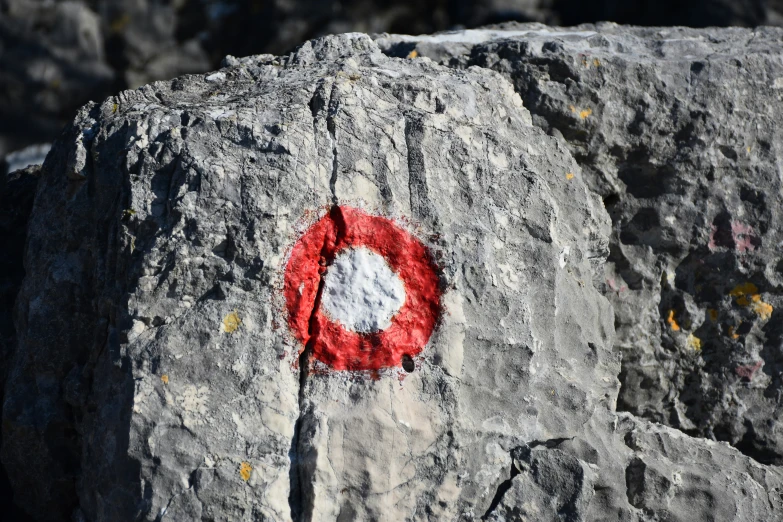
pixel 361 291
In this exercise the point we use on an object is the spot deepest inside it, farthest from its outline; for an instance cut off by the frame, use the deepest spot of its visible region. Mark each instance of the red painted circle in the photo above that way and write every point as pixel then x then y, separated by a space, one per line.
pixel 331 343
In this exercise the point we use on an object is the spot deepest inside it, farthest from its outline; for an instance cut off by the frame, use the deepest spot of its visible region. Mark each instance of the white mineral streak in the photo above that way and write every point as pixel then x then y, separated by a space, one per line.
pixel 361 291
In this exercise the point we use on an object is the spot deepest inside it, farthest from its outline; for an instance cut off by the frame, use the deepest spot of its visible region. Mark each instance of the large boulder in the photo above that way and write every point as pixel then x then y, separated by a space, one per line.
pixel 177 357
pixel 677 130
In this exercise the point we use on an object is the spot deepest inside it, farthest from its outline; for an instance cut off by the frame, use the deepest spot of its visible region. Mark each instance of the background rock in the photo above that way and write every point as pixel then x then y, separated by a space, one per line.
pixel 676 130
pixel 55 55
pixel 155 375
pixel 17 191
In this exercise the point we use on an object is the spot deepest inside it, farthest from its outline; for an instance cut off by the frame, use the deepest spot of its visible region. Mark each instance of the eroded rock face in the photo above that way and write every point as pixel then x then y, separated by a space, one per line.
pixel 677 130
pixel 155 363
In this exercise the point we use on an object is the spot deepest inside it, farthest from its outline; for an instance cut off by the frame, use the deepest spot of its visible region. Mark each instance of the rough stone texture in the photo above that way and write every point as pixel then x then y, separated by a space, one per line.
pixel 677 130
pixel 155 377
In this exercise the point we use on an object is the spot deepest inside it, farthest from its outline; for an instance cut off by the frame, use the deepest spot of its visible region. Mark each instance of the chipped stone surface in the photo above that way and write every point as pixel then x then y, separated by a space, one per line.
pixel 155 364
pixel 677 129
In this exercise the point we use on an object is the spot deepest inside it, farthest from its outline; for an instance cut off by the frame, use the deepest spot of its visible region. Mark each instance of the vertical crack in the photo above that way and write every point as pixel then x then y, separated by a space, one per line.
pixel 299 499
pixel 331 127
pixel 298 496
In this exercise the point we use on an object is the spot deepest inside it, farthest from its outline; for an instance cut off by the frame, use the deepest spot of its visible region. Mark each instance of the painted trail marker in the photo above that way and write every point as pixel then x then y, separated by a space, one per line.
pixel 361 291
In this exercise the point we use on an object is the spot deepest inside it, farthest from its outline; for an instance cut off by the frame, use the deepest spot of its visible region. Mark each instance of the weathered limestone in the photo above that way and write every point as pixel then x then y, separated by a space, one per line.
pixel 677 130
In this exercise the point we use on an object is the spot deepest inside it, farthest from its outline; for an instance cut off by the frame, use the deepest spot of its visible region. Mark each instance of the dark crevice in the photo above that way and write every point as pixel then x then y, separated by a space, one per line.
pixel 519 453
pixel 331 126
pixel 502 489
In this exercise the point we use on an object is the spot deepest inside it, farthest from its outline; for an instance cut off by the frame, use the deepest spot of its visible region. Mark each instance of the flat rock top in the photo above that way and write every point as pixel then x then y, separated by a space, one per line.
pixel 640 43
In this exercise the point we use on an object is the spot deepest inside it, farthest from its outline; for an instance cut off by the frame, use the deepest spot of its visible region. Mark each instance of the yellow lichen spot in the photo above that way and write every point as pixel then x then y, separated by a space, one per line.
pixel 164 378
pixel 744 293
pixel 672 322
pixel 744 289
pixel 413 54
pixel 596 62
pixel 231 322
pixel 693 342
pixel 748 149
pixel 244 471
pixel 119 23
pixel 133 244
pixel 128 212
pixel 114 108
pixel 570 175
pixel 713 314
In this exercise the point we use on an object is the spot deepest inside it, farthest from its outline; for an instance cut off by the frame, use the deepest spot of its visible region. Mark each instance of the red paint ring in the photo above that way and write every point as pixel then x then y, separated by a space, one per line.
pixel 331 343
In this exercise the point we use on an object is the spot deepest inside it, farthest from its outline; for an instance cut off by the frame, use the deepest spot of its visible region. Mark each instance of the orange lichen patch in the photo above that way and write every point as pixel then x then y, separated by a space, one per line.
pixel 413 54
pixel 570 175
pixel 673 322
pixel 764 310
pixel 244 471
pixel 231 322
pixel 596 62
pixel 747 294
pixel 583 113
pixel 732 333
pixel 164 378
pixel 742 291
pixel 693 342
pixel 713 314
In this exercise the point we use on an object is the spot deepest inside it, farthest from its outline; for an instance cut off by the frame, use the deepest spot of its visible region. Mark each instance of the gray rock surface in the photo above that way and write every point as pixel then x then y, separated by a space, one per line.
pixel 155 376
pixel 677 130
